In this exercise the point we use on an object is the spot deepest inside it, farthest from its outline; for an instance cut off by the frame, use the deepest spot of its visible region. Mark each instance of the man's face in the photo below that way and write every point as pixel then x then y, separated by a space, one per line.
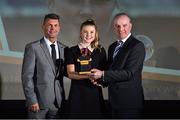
pixel 122 26
pixel 51 28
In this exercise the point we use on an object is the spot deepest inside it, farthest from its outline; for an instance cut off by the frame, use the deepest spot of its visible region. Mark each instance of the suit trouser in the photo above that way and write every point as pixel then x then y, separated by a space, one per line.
pixel 127 113
pixel 52 112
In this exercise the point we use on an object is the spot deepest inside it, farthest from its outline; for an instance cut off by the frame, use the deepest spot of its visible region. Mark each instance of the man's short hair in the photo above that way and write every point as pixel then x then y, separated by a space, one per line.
pixel 51 16
pixel 122 14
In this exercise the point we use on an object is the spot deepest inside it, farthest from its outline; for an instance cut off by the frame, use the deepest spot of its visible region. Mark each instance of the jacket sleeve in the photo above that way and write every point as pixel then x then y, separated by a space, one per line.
pixel 28 75
pixel 133 65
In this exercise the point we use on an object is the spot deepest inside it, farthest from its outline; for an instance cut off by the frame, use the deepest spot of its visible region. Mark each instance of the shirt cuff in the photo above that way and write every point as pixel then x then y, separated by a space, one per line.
pixel 102 76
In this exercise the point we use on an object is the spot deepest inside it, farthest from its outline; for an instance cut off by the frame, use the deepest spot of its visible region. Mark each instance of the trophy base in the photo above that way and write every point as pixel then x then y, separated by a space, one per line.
pixel 85 72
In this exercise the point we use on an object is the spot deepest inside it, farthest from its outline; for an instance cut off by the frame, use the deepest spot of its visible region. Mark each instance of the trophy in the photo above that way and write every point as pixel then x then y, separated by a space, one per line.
pixel 84 61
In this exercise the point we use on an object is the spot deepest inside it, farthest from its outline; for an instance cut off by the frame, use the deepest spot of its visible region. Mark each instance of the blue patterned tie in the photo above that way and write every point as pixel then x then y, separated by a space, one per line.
pixel 118 46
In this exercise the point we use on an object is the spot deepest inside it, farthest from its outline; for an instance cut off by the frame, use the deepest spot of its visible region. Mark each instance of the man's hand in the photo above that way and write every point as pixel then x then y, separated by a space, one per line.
pixel 34 107
pixel 95 82
pixel 96 74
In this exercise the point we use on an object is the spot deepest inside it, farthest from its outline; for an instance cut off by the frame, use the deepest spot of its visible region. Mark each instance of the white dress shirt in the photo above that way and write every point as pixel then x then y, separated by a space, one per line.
pixel 48 43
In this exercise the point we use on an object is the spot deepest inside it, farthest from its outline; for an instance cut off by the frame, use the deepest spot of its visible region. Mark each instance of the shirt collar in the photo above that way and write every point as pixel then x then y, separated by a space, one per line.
pixel 124 40
pixel 81 45
pixel 48 42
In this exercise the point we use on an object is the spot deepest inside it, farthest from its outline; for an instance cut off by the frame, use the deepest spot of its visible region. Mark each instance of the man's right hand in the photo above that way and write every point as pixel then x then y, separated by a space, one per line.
pixel 96 74
pixel 34 107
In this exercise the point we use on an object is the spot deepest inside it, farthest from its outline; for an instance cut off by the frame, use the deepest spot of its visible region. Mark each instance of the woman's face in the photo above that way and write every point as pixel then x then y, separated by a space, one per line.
pixel 88 33
pixel 74 12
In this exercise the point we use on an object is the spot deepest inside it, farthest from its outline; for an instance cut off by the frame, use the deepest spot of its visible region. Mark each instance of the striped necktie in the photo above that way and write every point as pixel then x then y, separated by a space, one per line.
pixel 118 46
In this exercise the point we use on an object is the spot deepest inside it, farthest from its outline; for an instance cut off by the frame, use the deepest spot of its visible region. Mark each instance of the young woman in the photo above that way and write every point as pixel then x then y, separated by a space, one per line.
pixel 85 99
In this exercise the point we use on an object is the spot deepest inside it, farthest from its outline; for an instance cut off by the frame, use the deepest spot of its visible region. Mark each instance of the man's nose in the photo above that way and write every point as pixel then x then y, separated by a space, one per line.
pixel 51 27
pixel 120 28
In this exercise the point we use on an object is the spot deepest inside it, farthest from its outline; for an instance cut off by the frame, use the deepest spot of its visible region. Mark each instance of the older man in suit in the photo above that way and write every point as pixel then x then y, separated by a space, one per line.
pixel 42 72
pixel 123 77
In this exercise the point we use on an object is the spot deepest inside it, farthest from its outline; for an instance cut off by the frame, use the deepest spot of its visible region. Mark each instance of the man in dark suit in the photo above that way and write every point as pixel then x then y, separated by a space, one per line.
pixel 123 77
pixel 42 72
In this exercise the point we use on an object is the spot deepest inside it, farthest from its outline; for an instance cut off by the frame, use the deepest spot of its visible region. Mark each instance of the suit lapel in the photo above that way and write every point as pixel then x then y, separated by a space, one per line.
pixel 47 54
pixel 59 60
pixel 59 49
pixel 111 52
pixel 122 52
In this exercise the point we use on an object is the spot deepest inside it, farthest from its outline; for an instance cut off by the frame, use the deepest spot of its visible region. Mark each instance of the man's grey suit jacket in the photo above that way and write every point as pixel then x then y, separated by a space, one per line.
pixel 39 77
